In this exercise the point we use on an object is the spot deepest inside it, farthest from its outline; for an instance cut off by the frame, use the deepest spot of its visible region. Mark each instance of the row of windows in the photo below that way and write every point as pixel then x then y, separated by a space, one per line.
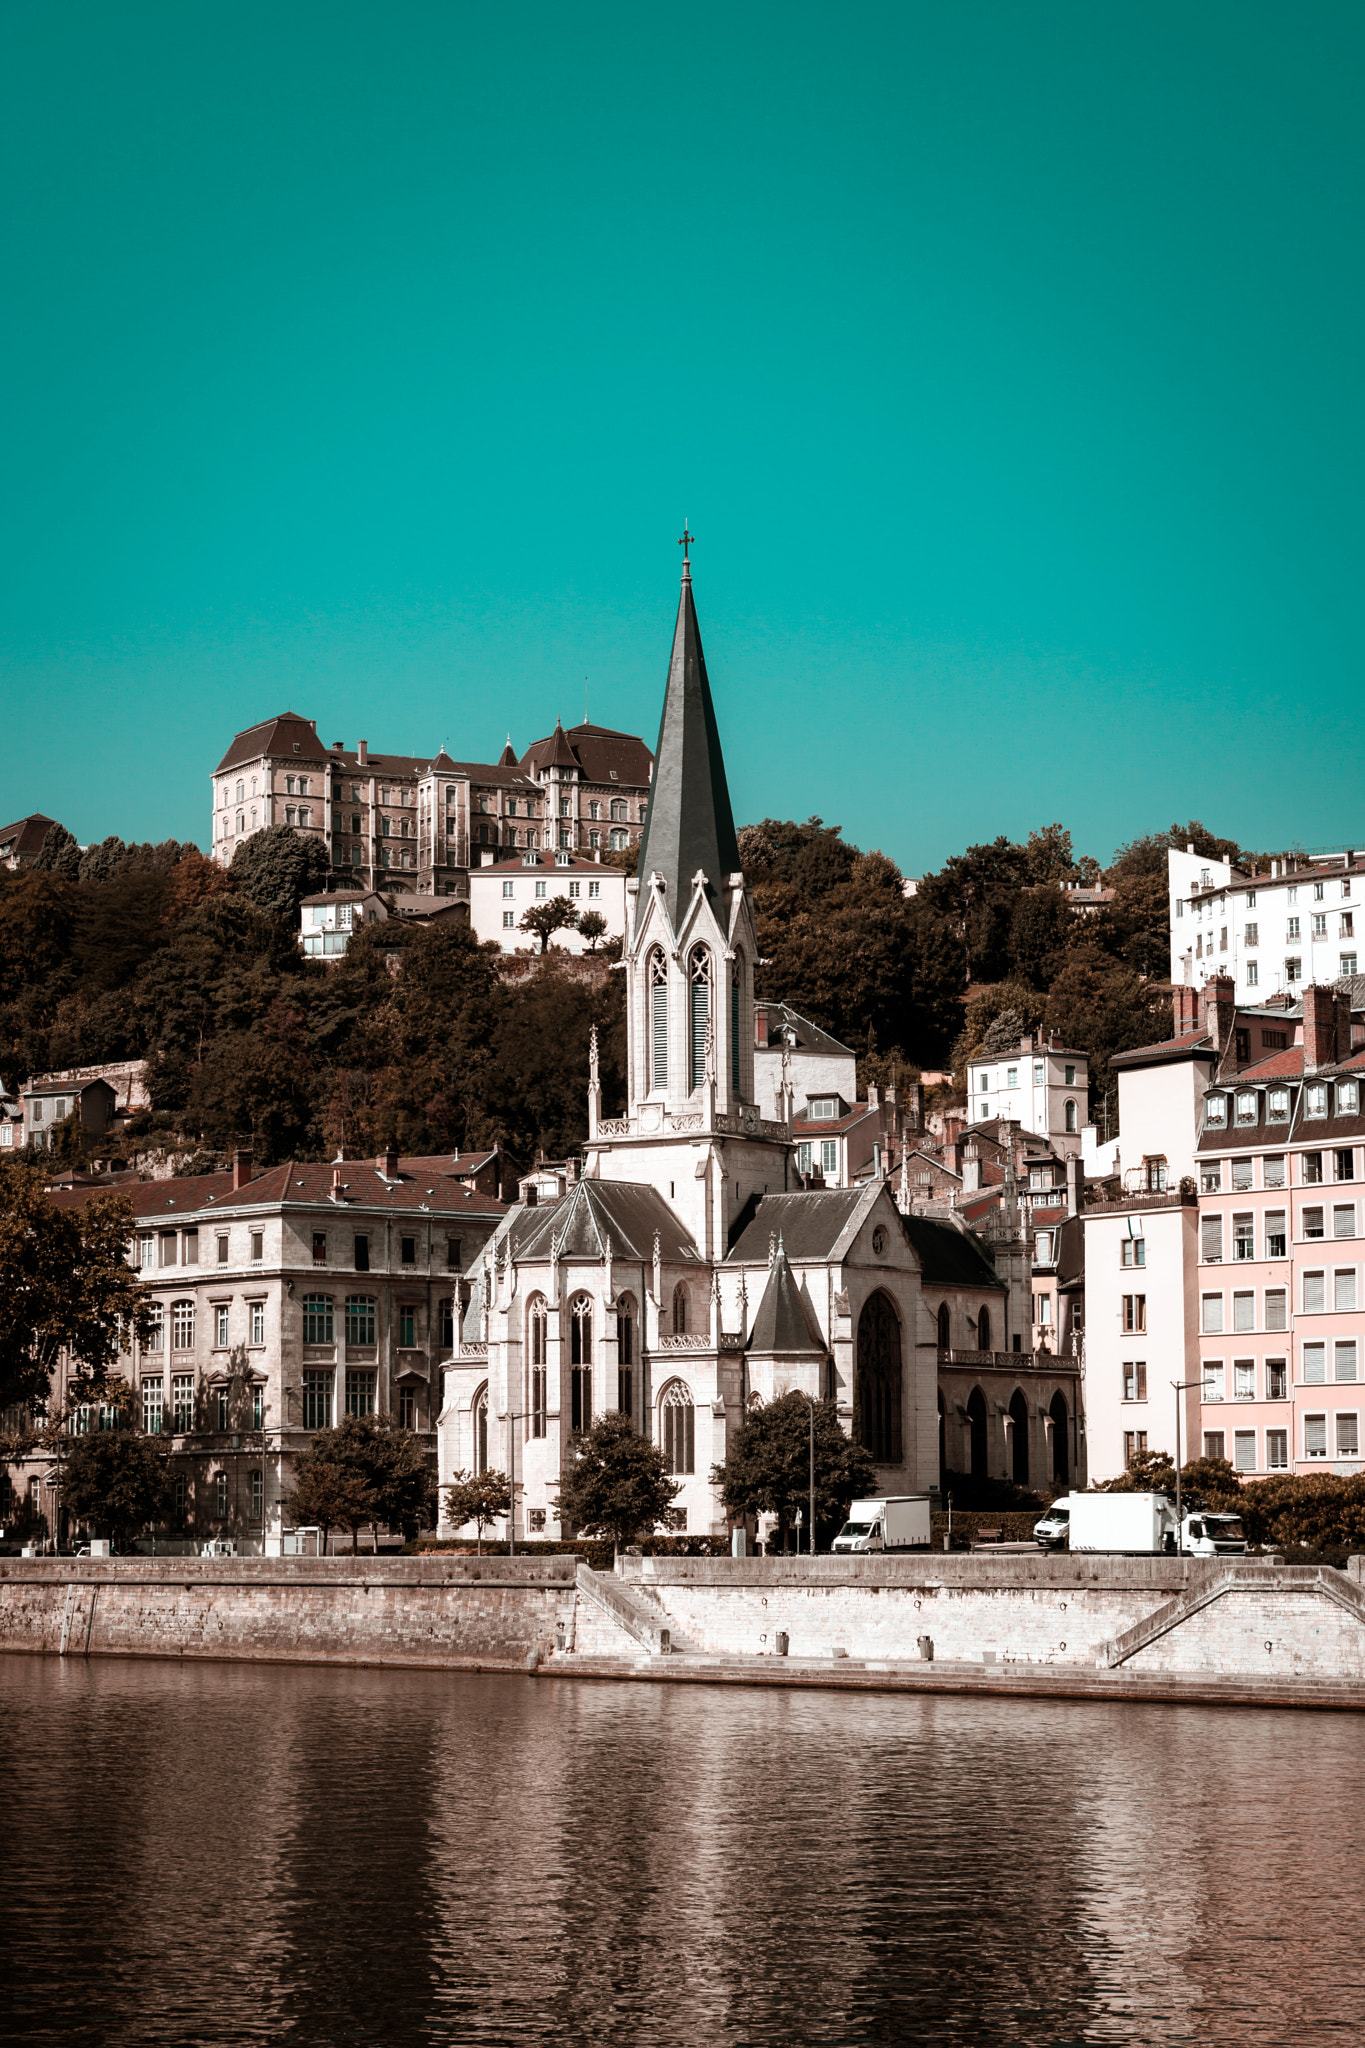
pixel 1011 1077
pixel 1344 1432
pixel 699 1018
pixel 677 1416
pixel 1343 1357
pixel 1291 896
pixel 162 1248
pixel 1321 1290
pixel 1313 1219
pixel 220 1412
pixel 359 1313
pixel 1251 935
pixel 509 889
pixel 1318 1100
pixel 1274 1170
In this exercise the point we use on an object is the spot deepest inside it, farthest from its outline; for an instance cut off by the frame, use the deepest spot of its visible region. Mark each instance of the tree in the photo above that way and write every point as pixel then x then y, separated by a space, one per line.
pixel 767 1466
pixel 617 1482
pixel 59 853
pixel 117 1479
pixel 65 1284
pixel 277 867
pixel 403 1482
pixel 542 920
pixel 329 1493
pixel 593 927
pixel 480 1498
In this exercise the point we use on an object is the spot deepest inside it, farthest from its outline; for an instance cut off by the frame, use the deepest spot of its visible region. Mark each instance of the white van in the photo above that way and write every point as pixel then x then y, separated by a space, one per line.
pixel 219 1546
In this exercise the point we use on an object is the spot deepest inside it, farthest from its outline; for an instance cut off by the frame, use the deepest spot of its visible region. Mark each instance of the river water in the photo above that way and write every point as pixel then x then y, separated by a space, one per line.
pixel 228 1853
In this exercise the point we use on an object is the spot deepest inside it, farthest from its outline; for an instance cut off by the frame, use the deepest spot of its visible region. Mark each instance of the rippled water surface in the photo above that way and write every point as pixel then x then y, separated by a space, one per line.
pixel 222 1853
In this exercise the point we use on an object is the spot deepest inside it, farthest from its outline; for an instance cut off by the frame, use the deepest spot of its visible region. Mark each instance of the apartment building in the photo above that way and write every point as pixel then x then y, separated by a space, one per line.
pixel 1281 1229
pixel 791 1051
pixel 1037 1084
pixel 1271 933
pixel 406 821
pixel 501 895
pixel 286 1300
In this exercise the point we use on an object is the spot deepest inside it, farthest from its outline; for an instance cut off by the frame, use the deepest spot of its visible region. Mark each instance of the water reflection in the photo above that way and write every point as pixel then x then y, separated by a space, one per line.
pixel 231 1854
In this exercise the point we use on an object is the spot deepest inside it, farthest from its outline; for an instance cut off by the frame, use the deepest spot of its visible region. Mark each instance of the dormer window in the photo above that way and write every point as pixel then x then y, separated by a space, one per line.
pixel 563 860
pixel 1348 1098
pixel 1246 1106
pixel 1216 1111
pixel 1315 1099
pixel 824 1107
pixel 1277 1106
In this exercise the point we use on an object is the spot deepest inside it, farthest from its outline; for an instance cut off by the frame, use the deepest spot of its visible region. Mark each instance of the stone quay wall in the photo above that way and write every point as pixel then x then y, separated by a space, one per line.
pixel 495 1613
pixel 1285 1633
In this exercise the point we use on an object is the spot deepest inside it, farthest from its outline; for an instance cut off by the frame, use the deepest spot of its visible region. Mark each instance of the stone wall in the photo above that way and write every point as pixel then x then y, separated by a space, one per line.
pixel 494 1612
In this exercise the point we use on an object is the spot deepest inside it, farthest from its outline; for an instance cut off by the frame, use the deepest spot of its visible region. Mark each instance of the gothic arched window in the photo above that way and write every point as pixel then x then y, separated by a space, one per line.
pixel 481 1430
pixel 658 1021
pixel 983 1329
pixel 580 1359
pixel 877 1386
pixel 537 1331
pixel 680 1310
pixel 736 981
pixel 699 1014
pixel 678 1430
pixel 625 1355
pixel 1071 1116
pixel 945 1327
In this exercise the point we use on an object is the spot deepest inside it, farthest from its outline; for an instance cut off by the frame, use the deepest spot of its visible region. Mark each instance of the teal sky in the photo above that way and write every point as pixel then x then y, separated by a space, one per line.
pixel 1005 358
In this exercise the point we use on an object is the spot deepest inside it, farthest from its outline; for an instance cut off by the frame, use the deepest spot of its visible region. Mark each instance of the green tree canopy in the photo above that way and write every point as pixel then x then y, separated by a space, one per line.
pixel 478 1497
pixel 616 1482
pixel 118 1480
pixel 543 920
pixel 65 1284
pixel 277 867
pixel 767 1466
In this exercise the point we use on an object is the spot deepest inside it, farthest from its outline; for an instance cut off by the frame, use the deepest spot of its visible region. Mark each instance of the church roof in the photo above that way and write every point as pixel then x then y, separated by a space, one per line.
pixel 689 824
pixel 596 1210
pixel 810 1225
pixel 785 1321
pixel 949 1257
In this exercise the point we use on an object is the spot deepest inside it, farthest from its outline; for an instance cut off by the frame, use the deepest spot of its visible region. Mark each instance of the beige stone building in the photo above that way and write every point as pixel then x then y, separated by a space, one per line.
pixel 286 1300
pixel 399 821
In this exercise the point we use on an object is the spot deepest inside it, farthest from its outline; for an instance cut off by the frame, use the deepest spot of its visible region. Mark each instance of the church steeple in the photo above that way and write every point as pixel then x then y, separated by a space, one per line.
pixel 689 824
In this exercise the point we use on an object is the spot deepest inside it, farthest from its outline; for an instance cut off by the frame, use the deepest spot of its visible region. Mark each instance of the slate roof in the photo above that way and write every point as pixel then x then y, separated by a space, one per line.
pixel 24 837
pixel 603 756
pixel 689 824
pixel 809 1037
pixel 786 1320
pixel 809 1224
pixel 595 1210
pixel 287 735
pixel 949 1257
pixel 424 1191
pixel 1182 1048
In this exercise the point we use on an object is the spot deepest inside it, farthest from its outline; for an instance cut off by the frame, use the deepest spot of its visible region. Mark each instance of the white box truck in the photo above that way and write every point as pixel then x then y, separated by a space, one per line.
pixel 1137 1525
pixel 897 1521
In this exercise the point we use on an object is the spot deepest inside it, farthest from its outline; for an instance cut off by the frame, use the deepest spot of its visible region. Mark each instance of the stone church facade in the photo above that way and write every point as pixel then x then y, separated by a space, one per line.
pixel 688 1274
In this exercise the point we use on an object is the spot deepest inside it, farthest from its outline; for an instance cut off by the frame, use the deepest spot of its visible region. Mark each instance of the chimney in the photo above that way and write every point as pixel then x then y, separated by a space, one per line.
pixel 387 1162
pixel 241 1168
pixel 1075 1182
pixel 532 1197
pixel 1326 1028
pixel 873 1095
pixel 971 1168
pixel 362 753
pixel 1220 1007
pixel 1189 846
pixel 1185 1004
pixel 760 1025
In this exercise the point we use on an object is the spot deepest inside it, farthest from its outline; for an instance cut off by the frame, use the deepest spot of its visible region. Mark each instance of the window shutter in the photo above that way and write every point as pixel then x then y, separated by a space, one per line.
pixel 1211 1240
pixel 734 1035
pixel 701 1010
pixel 1314 1292
pixel 659 1036
pixel 1315 1436
pixel 1314 1365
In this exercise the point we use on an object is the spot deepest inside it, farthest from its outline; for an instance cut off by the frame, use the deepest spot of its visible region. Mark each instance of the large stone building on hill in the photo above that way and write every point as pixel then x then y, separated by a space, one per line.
pixel 403 821
pixel 688 1274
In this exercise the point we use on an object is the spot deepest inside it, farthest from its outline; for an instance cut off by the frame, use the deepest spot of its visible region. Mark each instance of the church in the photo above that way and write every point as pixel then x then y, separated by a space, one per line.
pixel 688 1273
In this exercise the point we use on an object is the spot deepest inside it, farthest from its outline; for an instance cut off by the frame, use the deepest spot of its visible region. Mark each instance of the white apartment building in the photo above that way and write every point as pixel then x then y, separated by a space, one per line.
pixel 1039 1085
pixel 1273 934
pixel 501 895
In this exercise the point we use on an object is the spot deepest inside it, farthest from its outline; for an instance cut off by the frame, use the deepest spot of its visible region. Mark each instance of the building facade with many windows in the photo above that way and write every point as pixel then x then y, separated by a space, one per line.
pixel 284 1301
pixel 1273 934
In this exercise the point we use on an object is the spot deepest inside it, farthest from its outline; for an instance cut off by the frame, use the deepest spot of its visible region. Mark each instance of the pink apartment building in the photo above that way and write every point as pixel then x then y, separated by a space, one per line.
pixel 1281 1158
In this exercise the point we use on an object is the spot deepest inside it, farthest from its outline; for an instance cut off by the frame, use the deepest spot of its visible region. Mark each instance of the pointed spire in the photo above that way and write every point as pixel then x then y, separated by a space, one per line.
pixel 785 1321
pixel 689 825
pixel 508 757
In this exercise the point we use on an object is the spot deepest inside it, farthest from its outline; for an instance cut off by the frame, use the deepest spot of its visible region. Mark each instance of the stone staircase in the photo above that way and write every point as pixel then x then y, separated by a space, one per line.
pixel 1309 1579
pixel 633 1609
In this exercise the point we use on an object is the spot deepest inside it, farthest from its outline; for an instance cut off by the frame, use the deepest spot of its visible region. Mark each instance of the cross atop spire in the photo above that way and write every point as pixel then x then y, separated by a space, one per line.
pixel 685 542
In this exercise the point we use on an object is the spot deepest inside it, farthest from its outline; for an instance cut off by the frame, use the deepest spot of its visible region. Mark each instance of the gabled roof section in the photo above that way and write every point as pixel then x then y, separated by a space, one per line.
pixel 287 736
pixel 786 1320
pixel 811 1226
pixel 24 836
pixel 805 1036
pixel 1190 1045
pixel 690 824
pixel 596 1210
pixel 949 1257
pixel 1281 1066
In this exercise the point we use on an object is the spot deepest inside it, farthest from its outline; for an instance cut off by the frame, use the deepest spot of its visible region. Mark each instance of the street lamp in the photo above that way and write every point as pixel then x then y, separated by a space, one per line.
pixel 1180 1386
pixel 513 1416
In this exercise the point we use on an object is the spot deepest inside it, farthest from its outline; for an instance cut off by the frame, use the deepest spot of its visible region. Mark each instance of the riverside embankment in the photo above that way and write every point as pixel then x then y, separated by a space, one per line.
pixel 1083 1626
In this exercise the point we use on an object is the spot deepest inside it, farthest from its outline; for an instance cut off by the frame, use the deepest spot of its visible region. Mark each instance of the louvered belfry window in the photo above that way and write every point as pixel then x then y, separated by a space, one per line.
pixel 734 1028
pixel 699 997
pixel 658 1021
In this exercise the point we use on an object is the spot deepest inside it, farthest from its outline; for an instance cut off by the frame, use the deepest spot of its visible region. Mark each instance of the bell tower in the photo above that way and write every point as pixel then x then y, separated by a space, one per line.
pixel 691 1129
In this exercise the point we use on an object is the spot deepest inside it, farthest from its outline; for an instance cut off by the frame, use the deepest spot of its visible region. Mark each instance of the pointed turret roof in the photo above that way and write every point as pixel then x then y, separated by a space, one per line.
pixel 785 1321
pixel 689 824
pixel 508 757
